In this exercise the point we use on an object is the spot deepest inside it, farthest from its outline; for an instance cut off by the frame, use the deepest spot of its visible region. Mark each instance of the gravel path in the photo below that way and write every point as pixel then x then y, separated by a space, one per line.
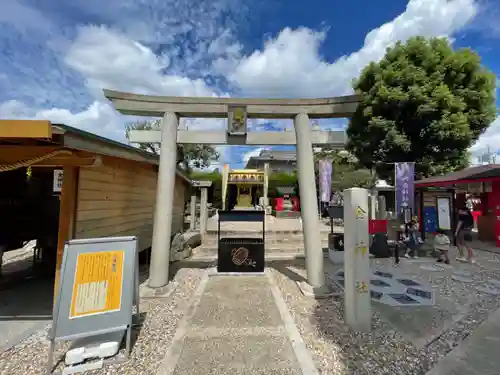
pixel 334 347
pixel 338 350
pixel 162 317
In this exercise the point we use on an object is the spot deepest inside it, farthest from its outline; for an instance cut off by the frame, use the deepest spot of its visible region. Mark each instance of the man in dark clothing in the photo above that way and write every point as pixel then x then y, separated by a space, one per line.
pixel 463 234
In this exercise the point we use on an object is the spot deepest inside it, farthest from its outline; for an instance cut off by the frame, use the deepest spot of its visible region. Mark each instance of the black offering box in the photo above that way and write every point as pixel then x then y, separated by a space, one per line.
pixel 241 254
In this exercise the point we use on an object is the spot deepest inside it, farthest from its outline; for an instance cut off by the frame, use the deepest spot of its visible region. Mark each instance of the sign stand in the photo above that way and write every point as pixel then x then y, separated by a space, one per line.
pixel 357 299
pixel 95 301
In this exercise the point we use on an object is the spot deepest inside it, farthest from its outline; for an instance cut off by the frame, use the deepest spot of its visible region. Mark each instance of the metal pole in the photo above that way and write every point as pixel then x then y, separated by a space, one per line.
pixel 308 191
pixel 162 230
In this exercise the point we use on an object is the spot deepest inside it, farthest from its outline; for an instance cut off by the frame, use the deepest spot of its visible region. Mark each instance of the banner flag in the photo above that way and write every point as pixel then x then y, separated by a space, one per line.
pixel 325 179
pixel 404 186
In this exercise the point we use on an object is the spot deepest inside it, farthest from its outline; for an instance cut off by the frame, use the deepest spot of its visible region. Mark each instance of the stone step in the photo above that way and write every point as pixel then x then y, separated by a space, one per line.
pixel 274 232
pixel 271 253
pixel 212 241
pixel 269 248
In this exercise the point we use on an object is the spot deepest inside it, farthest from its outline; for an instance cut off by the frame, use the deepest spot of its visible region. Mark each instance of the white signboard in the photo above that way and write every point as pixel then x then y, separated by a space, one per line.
pixel 58 181
pixel 444 217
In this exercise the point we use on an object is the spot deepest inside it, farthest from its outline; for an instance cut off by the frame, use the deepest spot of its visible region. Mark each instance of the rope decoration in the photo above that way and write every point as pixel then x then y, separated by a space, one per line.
pixel 30 162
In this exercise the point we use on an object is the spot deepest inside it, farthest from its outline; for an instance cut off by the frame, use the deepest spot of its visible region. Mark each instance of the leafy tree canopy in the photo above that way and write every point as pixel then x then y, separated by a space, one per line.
pixel 422 102
pixel 347 172
pixel 189 155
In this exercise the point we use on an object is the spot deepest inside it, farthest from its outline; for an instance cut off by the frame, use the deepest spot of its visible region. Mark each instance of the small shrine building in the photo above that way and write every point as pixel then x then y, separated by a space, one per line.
pixel 244 187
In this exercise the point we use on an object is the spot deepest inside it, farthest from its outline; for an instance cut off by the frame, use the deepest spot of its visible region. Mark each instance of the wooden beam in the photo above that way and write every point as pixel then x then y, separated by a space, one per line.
pixel 67 162
pixel 12 154
pixel 67 213
pixel 114 149
pixel 25 129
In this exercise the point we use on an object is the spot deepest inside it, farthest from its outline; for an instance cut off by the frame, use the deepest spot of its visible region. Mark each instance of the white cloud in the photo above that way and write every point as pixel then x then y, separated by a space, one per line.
pixel 23 17
pixel 108 59
pixel 98 118
pixel 121 57
pixel 490 138
pixel 290 65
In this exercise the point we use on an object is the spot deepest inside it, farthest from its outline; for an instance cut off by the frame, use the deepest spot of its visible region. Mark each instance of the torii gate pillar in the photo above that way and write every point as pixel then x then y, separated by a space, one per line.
pixel 309 207
pixel 237 110
pixel 162 226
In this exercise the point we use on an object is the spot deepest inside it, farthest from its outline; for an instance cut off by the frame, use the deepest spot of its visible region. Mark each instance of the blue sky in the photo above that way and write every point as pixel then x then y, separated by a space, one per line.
pixel 57 56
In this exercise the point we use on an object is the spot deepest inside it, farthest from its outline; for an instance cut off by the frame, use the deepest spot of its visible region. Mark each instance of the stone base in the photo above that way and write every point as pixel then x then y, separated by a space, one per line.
pixel 325 291
pixel 336 257
pixel 286 214
pixel 183 244
pixel 146 291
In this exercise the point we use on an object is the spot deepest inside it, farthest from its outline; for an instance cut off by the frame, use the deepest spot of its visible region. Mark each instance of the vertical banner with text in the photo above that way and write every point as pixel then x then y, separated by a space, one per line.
pixel 404 185
pixel 325 180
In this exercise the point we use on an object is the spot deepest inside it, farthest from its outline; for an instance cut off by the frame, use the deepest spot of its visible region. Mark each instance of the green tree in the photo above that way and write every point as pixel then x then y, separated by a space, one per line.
pixel 423 102
pixel 189 155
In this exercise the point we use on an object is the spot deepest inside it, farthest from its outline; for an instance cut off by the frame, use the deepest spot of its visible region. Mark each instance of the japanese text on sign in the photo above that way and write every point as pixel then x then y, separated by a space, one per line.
pixel 58 181
pixel 404 178
pixel 98 283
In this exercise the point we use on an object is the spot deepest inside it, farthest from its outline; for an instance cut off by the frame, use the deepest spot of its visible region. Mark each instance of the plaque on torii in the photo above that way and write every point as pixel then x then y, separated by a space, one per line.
pixel 237 120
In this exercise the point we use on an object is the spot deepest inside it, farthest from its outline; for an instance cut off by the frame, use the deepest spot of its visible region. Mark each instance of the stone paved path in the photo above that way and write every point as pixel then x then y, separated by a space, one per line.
pixel 478 354
pixel 237 325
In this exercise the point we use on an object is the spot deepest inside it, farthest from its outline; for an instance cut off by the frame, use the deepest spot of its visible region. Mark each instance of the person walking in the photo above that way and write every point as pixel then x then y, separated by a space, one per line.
pixel 463 234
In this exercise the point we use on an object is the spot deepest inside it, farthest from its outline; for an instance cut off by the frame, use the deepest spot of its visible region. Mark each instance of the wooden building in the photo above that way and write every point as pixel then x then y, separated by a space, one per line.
pixel 480 182
pixel 97 188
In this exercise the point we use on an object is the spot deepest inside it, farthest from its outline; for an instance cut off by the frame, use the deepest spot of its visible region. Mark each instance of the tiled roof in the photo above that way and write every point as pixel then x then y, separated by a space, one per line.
pixel 474 173
pixel 277 155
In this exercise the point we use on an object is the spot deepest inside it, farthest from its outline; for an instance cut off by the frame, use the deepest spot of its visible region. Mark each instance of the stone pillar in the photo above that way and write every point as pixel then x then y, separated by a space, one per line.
pixel 192 219
pixel 357 300
pixel 308 203
pixel 266 186
pixel 162 230
pixel 382 208
pixel 373 205
pixel 203 210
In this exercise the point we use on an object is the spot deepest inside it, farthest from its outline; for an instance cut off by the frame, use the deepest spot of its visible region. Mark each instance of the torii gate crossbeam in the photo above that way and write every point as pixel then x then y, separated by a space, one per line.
pixel 237 111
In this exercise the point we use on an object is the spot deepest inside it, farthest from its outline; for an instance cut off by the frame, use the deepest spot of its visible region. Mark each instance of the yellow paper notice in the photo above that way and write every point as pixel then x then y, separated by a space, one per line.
pixel 98 283
pixel 362 249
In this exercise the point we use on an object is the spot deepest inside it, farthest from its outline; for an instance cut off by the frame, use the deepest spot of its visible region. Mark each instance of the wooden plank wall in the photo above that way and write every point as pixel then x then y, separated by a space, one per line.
pixel 117 201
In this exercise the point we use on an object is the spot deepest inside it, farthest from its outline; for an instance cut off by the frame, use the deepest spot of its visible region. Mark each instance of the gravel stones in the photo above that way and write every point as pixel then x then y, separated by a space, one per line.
pixel 152 340
pixel 334 347
pixel 337 350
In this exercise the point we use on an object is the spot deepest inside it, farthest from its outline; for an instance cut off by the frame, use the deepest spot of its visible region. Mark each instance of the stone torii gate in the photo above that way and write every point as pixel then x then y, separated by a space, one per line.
pixel 237 111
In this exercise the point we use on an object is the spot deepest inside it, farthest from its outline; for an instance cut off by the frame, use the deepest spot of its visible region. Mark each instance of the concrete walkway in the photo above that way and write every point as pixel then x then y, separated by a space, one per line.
pixel 478 354
pixel 25 308
pixel 237 325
